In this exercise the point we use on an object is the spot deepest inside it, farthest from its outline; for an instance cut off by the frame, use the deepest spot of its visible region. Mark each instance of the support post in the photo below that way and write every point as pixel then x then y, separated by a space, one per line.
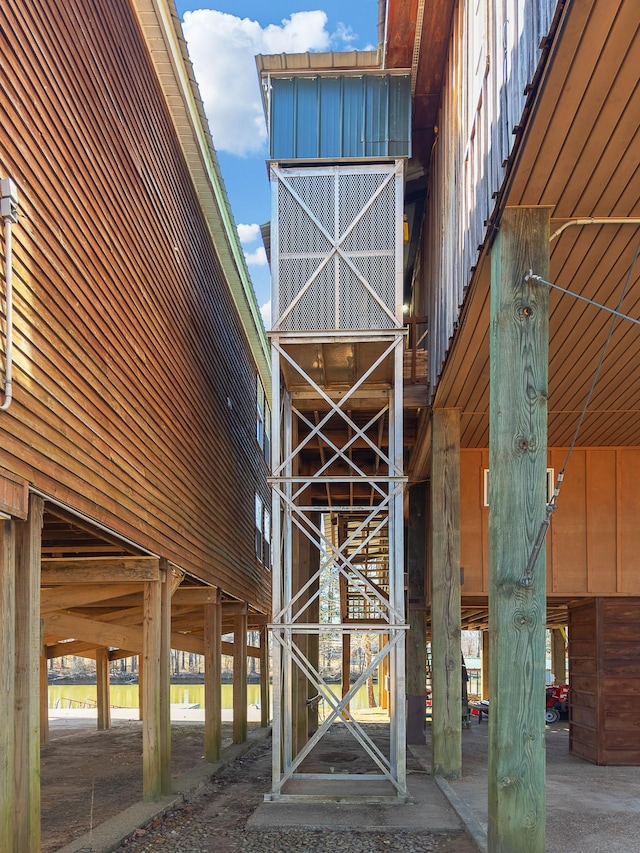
pixel 417 636
pixel 44 700
pixel 446 696
pixel 517 500
pixel 140 687
pixel 151 641
pixel 558 656
pixel 7 682
pixel 240 677
pixel 102 689
pixel 485 665
pixel 166 591
pixel 28 647
pixel 264 676
pixel 212 680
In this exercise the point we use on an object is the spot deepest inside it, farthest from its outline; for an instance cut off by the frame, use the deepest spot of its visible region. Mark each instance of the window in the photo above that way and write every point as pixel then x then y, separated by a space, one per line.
pixel 263 532
pixel 263 420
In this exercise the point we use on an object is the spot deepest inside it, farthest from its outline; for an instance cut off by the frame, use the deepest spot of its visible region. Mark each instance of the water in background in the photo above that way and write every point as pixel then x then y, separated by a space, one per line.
pixel 126 695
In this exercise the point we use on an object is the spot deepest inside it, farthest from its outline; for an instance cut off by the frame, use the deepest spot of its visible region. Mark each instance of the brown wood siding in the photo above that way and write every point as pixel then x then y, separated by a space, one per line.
pixel 134 388
pixel 593 547
pixel 605 680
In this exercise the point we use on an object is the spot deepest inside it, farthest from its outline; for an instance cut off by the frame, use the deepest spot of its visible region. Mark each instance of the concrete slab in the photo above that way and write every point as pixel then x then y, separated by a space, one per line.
pixel 429 811
pixel 338 755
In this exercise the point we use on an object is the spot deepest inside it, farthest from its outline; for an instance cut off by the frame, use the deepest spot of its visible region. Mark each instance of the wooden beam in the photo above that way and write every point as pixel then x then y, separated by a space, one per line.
pixel 14 494
pixel 92 630
pixel 519 332
pixel 27 687
pixel 102 689
pixel 446 711
pixel 65 597
pixel 234 607
pixel 195 595
pixel 99 570
pixel 54 648
pixel 151 743
pixel 7 681
pixel 417 635
pixel 240 677
pixel 212 679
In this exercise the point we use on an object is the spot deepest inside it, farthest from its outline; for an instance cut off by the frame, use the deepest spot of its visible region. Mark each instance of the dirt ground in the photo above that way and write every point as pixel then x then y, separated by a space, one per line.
pixel 89 776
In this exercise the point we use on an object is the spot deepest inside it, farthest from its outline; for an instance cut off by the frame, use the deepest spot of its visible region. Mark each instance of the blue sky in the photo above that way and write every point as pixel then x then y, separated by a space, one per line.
pixel 223 37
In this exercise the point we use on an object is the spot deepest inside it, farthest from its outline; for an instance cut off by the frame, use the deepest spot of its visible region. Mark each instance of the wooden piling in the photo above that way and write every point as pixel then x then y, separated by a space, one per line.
pixel 517 498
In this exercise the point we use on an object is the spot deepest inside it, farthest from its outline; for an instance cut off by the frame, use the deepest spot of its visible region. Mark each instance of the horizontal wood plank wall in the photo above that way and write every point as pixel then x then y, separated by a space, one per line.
pixel 492 59
pixel 605 680
pixel 134 389
pixel 593 547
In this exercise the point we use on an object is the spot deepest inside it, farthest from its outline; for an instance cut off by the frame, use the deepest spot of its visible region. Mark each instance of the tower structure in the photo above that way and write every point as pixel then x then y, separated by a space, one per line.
pixel 338 140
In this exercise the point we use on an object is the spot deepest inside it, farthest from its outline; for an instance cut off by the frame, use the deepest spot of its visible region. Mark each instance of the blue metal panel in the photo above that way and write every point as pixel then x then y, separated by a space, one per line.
pixel 338 116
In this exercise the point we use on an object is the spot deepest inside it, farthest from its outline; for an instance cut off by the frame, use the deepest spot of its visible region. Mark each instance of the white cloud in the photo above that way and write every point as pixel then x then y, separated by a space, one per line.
pixel 265 310
pixel 222 48
pixel 257 258
pixel 248 233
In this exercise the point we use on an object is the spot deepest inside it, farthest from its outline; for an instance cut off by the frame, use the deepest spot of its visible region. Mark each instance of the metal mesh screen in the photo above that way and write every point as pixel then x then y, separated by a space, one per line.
pixel 336 257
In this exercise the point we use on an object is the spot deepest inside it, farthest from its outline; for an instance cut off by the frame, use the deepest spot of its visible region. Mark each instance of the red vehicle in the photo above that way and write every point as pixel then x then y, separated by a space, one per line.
pixel 557 702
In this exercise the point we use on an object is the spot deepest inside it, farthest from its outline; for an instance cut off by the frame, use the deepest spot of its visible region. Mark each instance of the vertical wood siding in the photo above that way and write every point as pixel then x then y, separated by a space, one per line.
pixel 593 546
pixel 134 390
pixel 493 56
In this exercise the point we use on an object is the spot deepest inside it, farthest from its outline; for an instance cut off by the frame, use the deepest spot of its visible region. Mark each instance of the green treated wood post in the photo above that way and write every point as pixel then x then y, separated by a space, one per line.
pixel 517 499
pixel 417 635
pixel 446 724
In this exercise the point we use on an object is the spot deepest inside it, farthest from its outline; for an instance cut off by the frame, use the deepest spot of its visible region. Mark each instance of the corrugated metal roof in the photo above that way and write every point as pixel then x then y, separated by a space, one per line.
pixel 272 63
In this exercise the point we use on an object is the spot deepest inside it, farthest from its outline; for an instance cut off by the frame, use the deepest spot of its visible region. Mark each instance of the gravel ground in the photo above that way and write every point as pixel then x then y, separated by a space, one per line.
pixel 215 820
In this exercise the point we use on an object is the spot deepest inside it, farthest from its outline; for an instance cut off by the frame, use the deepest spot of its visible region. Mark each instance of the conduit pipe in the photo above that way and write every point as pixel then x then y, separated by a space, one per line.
pixel 8 211
pixel 600 220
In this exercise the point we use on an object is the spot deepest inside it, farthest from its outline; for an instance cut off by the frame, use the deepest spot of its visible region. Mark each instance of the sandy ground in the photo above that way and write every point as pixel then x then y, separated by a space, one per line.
pixel 88 776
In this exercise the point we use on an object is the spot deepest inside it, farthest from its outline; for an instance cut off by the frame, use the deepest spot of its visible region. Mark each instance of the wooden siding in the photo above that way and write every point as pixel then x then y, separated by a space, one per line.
pixel 134 390
pixel 593 546
pixel 493 56
pixel 576 153
pixel 605 680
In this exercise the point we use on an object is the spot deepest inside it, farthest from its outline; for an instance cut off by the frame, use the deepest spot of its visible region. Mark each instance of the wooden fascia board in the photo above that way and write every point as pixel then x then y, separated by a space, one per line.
pixel 165 42
pixel 74 570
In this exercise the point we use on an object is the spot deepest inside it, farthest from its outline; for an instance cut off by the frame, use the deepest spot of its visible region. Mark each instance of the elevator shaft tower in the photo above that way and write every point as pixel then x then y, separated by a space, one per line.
pixel 337 143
